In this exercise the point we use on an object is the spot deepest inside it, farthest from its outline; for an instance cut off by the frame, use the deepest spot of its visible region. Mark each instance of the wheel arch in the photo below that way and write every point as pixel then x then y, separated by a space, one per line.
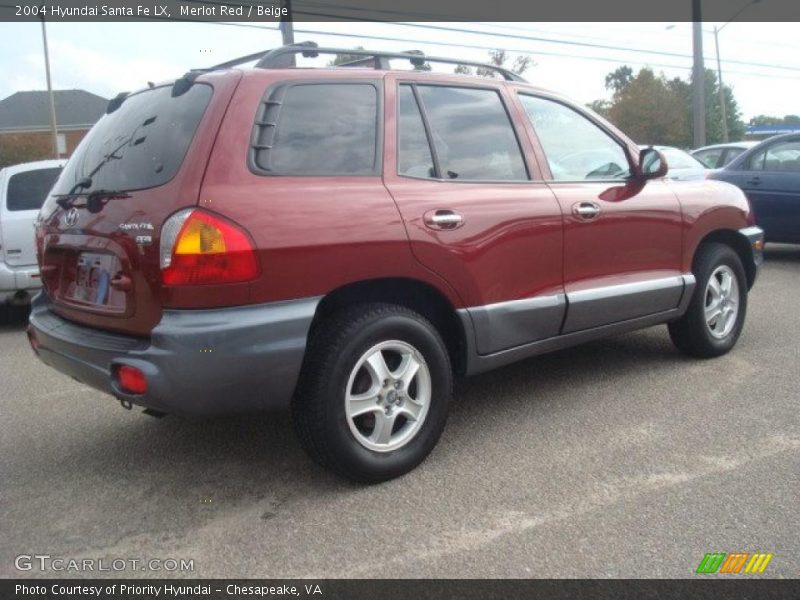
pixel 739 243
pixel 414 294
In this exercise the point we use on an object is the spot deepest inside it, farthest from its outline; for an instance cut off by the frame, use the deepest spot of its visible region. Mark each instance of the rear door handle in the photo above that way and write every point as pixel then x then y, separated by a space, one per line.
pixel 443 219
pixel 586 211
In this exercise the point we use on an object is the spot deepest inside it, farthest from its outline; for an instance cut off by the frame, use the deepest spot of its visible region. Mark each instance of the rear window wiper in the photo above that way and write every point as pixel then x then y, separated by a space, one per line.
pixel 95 200
pixel 65 200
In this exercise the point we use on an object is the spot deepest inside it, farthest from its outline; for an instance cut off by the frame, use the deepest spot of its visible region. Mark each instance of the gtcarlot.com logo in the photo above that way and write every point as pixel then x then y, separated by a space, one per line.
pixel 46 562
pixel 733 562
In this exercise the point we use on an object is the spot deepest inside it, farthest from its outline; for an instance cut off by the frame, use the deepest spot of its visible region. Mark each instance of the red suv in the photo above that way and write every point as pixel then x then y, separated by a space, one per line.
pixel 341 241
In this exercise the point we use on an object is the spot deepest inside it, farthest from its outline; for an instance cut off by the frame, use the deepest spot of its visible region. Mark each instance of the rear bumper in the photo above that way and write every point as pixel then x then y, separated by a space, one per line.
pixel 18 279
pixel 197 362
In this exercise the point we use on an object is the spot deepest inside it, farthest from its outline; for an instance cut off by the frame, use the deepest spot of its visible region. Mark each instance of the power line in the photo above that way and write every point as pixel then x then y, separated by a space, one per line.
pixel 532 53
pixel 546 40
pixel 526 51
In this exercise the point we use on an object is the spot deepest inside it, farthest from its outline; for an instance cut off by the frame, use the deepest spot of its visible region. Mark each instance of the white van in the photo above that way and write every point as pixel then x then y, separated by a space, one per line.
pixel 23 189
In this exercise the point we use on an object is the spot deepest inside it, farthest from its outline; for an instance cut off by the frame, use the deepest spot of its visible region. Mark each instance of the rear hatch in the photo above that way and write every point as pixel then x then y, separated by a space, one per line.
pixel 24 190
pixel 98 238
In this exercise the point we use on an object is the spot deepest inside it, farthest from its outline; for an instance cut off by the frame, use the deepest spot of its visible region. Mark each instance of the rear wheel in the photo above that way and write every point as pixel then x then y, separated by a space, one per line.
pixel 716 313
pixel 373 395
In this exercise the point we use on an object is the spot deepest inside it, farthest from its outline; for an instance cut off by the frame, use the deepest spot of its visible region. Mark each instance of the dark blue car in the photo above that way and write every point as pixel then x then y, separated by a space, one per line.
pixel 770 176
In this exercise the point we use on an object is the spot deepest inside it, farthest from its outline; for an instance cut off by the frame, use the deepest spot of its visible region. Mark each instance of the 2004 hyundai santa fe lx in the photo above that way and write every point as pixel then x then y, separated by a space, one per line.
pixel 341 241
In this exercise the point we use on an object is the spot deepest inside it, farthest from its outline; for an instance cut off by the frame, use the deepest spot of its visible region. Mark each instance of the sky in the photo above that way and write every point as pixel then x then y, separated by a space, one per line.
pixel 107 58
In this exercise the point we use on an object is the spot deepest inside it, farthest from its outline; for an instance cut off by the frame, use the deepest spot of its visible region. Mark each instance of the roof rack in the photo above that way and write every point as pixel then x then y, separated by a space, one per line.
pixel 281 58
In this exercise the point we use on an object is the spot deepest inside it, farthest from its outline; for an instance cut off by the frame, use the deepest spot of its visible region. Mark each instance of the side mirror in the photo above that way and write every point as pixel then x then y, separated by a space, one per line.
pixel 652 164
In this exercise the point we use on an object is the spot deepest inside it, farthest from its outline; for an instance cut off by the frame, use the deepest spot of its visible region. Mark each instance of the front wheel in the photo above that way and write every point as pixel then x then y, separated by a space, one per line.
pixel 373 394
pixel 716 313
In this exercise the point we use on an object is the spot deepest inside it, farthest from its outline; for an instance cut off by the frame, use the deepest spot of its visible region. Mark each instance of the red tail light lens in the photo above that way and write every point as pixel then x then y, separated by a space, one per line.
pixel 199 248
pixel 130 379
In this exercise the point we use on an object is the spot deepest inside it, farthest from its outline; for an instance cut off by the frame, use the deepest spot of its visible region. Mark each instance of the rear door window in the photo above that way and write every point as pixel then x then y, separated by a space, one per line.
pixel 141 144
pixel 318 129
pixel 28 190
pixel 472 134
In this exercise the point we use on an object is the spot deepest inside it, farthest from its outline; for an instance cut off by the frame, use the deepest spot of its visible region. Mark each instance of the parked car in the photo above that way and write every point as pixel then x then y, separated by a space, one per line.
pixel 682 165
pixel 341 241
pixel 719 155
pixel 23 189
pixel 769 174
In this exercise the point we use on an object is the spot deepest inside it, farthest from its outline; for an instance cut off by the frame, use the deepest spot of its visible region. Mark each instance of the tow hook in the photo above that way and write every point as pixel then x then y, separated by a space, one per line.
pixel 126 404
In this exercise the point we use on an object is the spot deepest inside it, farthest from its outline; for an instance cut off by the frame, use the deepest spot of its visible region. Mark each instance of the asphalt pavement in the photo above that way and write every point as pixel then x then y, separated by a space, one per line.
pixel 620 458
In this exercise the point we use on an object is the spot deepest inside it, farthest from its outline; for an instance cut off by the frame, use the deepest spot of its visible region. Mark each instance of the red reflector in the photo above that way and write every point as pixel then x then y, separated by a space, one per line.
pixel 130 379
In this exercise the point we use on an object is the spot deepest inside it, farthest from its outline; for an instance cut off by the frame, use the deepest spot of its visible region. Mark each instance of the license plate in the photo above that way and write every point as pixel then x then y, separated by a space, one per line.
pixel 93 273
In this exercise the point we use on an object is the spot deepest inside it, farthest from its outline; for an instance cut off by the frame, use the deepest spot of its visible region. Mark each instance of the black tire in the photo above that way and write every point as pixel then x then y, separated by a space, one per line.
pixel 691 334
pixel 318 408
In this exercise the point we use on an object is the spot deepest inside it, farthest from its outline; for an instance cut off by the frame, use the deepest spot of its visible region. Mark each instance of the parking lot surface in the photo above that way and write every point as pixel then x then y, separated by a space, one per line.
pixel 620 458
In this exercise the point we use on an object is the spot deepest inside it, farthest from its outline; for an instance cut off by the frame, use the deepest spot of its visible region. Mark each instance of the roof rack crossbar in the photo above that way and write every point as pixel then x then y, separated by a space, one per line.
pixel 280 58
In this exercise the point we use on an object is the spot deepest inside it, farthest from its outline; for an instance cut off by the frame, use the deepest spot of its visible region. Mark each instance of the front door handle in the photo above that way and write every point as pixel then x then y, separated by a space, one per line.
pixel 754 181
pixel 443 219
pixel 586 211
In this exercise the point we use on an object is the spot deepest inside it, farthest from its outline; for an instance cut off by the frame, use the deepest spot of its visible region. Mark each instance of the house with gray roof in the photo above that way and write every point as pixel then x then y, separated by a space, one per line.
pixel 25 122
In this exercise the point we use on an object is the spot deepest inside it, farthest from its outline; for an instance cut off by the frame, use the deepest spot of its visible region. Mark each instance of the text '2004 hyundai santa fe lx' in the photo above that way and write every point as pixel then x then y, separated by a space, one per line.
pixel 342 241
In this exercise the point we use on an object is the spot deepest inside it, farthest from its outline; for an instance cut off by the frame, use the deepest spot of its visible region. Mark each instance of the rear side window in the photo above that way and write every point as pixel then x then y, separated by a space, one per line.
pixel 318 129
pixel 141 144
pixel 731 154
pixel 28 190
pixel 472 134
pixel 709 158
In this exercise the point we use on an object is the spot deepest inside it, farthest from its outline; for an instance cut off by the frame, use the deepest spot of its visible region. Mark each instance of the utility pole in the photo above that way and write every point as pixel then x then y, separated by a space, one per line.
pixel 287 28
pixel 698 78
pixel 722 108
pixel 53 129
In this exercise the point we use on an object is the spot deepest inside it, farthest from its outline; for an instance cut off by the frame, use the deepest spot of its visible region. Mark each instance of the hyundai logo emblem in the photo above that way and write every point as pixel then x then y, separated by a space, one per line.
pixel 71 217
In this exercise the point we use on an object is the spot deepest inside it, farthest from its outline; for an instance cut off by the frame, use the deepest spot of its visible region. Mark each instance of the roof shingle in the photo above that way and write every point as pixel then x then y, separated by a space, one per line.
pixel 26 111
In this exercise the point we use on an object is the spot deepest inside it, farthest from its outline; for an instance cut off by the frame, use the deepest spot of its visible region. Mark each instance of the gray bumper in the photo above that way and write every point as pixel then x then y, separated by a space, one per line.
pixel 197 362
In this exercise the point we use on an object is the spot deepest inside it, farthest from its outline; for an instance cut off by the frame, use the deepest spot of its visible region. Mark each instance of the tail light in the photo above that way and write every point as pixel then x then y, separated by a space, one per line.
pixel 199 248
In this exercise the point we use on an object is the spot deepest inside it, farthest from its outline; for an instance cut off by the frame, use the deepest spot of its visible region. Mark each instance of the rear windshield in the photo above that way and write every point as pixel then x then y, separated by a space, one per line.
pixel 141 144
pixel 27 190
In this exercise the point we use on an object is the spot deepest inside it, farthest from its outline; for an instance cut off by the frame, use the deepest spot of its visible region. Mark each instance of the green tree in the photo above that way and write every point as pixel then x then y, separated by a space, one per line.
pixel 629 106
pixel 733 115
pixel 601 107
pixel 619 79
pixel 499 58
pixel 649 110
